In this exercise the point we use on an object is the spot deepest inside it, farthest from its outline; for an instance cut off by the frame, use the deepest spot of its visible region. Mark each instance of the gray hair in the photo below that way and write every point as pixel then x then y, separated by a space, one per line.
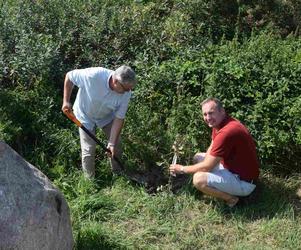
pixel 218 103
pixel 125 75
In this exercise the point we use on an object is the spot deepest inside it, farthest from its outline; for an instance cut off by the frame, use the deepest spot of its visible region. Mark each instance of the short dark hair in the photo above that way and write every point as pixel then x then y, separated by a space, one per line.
pixel 218 103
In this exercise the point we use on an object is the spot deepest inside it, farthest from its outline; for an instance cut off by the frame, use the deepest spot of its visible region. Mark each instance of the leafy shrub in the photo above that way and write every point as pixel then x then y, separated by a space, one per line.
pixel 183 52
pixel 259 83
pixel 31 122
pixel 257 80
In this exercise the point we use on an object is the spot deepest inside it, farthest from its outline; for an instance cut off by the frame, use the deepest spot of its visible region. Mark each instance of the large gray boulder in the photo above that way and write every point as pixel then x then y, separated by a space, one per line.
pixel 33 213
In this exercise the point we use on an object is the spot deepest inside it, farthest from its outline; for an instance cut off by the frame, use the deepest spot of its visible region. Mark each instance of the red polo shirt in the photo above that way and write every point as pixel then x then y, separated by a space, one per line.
pixel 234 144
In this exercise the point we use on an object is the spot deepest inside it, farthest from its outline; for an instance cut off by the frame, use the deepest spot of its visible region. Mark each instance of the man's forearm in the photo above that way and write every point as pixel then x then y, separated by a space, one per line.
pixel 199 167
pixel 115 130
pixel 68 87
pixel 204 166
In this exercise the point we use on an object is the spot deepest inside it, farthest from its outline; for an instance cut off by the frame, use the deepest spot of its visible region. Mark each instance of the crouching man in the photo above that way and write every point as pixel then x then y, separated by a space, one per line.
pixel 230 166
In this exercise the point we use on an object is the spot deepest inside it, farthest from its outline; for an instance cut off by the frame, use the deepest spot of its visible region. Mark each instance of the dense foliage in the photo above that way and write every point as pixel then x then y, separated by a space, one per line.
pixel 247 53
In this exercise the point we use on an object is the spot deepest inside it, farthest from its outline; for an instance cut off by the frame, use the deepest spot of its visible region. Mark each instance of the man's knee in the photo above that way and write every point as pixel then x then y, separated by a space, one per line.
pixel 200 180
pixel 198 157
pixel 88 151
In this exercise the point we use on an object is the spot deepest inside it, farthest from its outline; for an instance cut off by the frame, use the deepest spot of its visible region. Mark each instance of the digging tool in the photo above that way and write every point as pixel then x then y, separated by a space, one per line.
pixel 151 178
pixel 175 155
pixel 72 117
pixel 174 161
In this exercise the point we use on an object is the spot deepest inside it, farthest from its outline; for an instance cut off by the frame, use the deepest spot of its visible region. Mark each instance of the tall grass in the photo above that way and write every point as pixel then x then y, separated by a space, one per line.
pixel 119 215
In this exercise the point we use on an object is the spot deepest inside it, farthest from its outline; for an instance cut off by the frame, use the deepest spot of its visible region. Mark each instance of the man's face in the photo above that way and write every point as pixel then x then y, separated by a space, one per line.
pixel 212 115
pixel 121 88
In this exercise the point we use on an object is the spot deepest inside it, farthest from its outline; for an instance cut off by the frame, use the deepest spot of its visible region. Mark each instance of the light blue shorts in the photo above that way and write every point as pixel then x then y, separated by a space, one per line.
pixel 222 179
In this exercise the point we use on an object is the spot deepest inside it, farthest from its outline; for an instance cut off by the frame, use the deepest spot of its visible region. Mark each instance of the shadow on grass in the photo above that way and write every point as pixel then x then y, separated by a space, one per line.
pixel 275 197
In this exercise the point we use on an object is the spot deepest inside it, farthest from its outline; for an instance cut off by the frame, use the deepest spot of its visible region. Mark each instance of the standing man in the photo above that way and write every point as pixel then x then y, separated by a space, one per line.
pixel 230 166
pixel 101 101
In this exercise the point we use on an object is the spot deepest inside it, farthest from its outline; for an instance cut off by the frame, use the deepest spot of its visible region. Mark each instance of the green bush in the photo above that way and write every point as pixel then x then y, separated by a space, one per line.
pixel 257 80
pixel 183 52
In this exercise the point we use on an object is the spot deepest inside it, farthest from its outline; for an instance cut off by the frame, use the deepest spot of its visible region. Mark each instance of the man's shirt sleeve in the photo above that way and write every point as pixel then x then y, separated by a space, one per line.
pixel 222 145
pixel 120 113
pixel 77 77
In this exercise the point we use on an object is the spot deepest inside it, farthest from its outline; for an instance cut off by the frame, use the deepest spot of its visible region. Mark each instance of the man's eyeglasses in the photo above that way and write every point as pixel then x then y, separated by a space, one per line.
pixel 124 88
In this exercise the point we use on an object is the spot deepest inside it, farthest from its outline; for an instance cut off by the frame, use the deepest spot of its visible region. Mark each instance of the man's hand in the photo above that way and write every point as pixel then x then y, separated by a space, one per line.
pixel 176 169
pixel 66 107
pixel 111 147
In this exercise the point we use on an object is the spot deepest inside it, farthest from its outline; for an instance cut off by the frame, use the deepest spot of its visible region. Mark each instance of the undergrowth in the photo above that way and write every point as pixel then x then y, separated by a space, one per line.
pixel 119 215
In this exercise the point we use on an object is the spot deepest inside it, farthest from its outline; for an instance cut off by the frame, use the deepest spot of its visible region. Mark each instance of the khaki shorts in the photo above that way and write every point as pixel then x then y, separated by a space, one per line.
pixel 222 179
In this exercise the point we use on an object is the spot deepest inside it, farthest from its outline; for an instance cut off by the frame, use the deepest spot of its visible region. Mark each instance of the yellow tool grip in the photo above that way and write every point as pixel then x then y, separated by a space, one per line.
pixel 72 117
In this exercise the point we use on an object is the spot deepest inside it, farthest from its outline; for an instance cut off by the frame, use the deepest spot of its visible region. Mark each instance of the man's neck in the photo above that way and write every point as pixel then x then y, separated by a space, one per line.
pixel 222 123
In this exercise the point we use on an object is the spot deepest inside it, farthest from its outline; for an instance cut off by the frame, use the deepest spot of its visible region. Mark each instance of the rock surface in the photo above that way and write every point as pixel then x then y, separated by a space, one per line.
pixel 33 213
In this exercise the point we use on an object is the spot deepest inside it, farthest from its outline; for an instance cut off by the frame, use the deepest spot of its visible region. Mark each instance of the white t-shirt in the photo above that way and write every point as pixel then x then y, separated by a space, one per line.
pixel 95 103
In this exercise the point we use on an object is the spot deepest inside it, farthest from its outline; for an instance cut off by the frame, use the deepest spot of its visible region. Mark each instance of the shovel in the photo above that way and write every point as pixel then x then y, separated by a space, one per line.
pixel 72 117
pixel 151 178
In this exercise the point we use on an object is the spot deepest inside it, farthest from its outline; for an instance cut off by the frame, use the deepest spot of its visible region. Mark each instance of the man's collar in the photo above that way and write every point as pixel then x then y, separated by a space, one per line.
pixel 108 82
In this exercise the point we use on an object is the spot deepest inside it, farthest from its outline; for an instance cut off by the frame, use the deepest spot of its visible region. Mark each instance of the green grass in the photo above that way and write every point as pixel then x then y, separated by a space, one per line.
pixel 112 213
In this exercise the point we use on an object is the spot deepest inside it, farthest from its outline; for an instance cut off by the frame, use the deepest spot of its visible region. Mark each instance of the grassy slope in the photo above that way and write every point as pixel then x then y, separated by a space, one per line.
pixel 114 214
